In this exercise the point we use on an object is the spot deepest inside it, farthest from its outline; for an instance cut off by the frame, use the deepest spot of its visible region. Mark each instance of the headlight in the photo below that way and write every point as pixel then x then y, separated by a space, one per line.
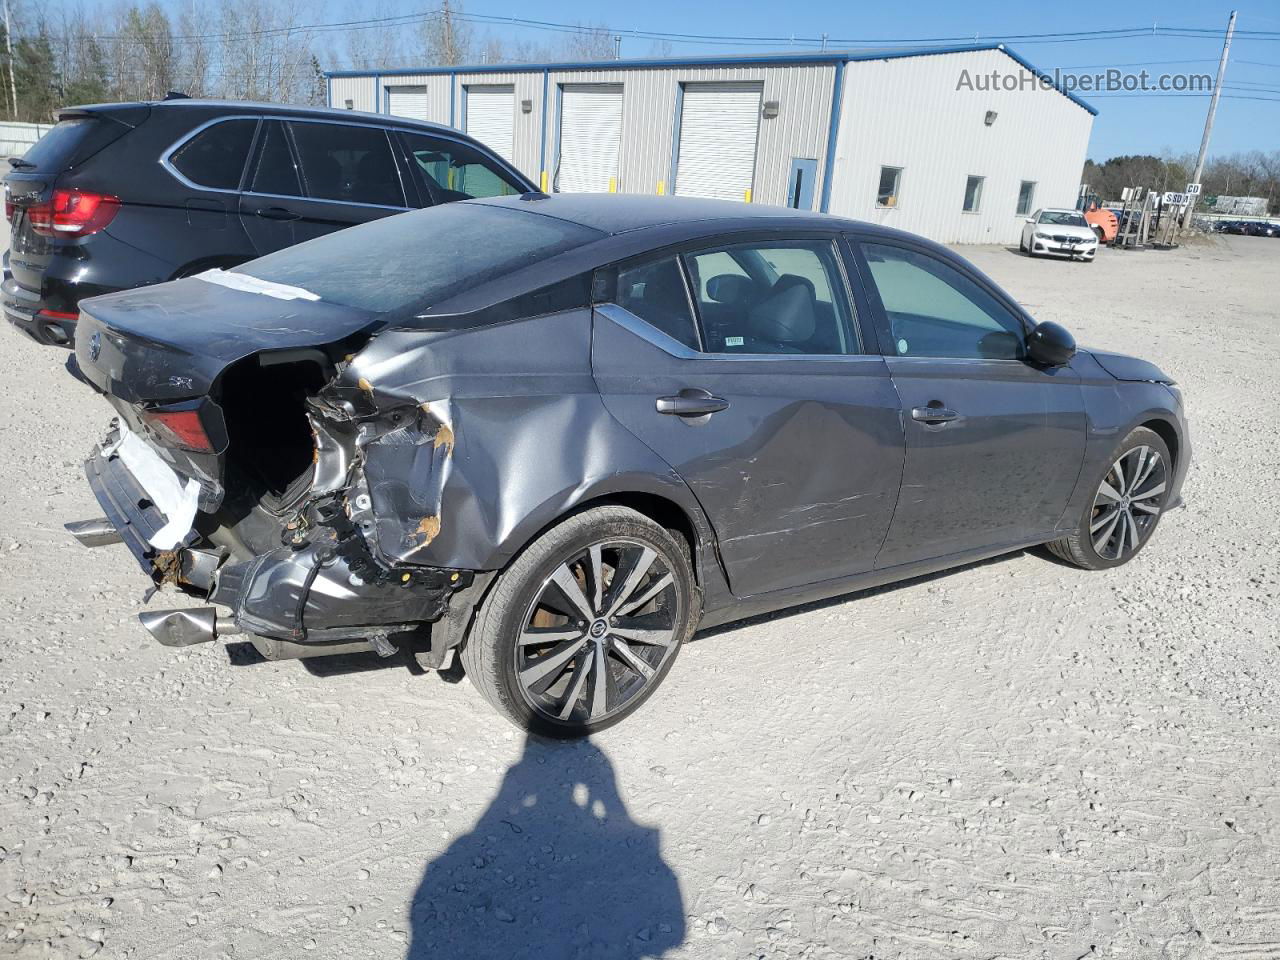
pixel 1043 236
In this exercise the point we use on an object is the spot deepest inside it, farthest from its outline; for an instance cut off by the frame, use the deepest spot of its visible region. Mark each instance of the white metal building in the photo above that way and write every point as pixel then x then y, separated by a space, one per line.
pixel 925 139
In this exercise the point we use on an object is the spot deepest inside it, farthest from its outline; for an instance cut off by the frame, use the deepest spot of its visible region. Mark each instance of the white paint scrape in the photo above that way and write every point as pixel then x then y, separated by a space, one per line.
pixel 242 281
pixel 178 501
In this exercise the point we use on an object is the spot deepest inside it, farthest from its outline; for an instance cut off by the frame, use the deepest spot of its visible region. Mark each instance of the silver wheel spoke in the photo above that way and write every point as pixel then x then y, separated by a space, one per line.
pixel 549 666
pixel 655 588
pixel 1145 507
pixel 580 674
pixel 1148 494
pixel 535 635
pixel 600 683
pixel 1101 541
pixel 1151 465
pixel 623 593
pixel 568 584
pixel 639 634
pixel 632 659
pixel 597 577
pixel 1131 526
pixel 1103 520
pixel 1137 471
pixel 1108 491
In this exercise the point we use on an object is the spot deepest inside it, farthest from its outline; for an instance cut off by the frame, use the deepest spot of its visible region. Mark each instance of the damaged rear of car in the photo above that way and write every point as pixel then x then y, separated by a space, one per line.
pixel 290 450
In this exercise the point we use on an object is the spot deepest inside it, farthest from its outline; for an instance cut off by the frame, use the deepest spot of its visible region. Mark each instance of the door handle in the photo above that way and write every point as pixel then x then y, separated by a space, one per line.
pixel 691 402
pixel 277 213
pixel 934 414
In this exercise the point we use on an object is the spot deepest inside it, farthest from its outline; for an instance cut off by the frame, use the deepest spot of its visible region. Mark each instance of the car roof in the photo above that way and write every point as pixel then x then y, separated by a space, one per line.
pixel 1059 210
pixel 252 108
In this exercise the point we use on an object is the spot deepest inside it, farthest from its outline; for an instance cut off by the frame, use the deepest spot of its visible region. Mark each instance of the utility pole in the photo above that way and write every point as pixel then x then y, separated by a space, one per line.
pixel 1208 120
pixel 617 46
pixel 8 39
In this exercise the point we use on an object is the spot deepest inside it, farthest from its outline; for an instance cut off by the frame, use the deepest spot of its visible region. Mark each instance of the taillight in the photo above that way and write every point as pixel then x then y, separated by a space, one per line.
pixel 179 428
pixel 75 213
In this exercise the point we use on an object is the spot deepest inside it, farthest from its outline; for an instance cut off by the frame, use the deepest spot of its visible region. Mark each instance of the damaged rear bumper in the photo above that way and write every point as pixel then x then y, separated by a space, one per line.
pixel 320 586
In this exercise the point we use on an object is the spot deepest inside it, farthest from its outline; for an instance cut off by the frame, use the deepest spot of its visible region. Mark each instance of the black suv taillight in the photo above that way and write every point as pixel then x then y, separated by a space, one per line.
pixel 72 213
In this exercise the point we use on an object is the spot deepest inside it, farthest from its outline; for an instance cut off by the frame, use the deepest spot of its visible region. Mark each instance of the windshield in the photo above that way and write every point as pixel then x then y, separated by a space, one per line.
pixel 1063 218
pixel 418 258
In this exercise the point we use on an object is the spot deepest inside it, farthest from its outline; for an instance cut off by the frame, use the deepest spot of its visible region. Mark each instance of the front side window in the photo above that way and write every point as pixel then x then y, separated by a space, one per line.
pixel 773 298
pixel 456 171
pixel 655 292
pixel 349 163
pixel 1026 193
pixel 934 310
pixel 973 194
pixel 275 171
pixel 887 192
pixel 215 156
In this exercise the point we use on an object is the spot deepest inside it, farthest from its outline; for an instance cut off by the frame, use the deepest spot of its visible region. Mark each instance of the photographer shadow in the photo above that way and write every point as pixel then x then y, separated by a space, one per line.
pixel 555 868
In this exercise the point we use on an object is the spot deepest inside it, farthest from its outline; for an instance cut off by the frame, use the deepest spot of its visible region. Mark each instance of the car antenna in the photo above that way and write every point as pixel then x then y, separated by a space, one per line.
pixel 177 95
pixel 534 195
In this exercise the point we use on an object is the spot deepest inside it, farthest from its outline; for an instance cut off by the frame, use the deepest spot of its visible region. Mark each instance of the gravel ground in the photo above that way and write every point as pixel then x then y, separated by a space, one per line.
pixel 1017 759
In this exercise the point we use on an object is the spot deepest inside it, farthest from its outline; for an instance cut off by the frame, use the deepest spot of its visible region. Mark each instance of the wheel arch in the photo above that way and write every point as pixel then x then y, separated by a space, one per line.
pixel 1168 433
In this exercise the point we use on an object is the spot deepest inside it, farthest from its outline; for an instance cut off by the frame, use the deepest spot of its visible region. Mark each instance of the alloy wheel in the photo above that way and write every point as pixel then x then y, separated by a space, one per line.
pixel 1127 503
pixel 599 630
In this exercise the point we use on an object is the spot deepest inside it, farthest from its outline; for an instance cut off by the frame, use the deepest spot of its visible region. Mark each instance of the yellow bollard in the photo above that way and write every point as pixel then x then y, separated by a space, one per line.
pixel 544 181
pixel 613 184
pixel 746 196
pixel 662 187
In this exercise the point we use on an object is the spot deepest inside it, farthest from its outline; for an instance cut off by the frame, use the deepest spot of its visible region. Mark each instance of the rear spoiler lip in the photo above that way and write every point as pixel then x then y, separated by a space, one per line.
pixel 121 113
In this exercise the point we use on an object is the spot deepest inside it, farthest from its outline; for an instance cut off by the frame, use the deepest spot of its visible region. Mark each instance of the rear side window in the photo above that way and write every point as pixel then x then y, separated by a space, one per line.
pixel 73 141
pixel 275 171
pixel 786 297
pixel 419 258
pixel 215 156
pixel 349 163
pixel 655 292
pixel 456 171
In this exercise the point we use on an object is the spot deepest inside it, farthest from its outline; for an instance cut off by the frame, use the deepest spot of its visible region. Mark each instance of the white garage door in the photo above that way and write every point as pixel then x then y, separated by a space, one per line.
pixel 718 127
pixel 407 102
pixel 590 137
pixel 491 117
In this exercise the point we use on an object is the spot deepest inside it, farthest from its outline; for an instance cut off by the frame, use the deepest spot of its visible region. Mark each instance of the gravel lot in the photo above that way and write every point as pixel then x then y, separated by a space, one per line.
pixel 1018 759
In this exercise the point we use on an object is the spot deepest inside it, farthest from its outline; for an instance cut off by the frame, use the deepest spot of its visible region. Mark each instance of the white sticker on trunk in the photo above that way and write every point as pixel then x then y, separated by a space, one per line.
pixel 176 500
pixel 242 281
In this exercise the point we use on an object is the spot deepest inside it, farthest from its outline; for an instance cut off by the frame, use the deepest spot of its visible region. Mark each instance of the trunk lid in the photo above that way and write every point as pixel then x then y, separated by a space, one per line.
pixel 172 341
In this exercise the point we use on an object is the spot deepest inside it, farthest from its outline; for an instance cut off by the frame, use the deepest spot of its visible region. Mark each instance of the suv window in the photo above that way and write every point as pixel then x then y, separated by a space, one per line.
pixel 779 297
pixel 934 310
pixel 456 171
pixel 346 162
pixel 275 171
pixel 655 292
pixel 215 156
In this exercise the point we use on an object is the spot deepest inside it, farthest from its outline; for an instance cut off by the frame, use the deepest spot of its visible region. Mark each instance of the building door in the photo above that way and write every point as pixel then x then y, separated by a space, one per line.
pixel 719 127
pixel 590 138
pixel 490 117
pixel 407 102
pixel 804 173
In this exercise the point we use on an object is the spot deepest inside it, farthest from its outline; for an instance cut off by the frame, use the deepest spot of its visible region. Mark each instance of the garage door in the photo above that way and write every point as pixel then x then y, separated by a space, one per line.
pixel 719 123
pixel 491 117
pixel 590 137
pixel 407 102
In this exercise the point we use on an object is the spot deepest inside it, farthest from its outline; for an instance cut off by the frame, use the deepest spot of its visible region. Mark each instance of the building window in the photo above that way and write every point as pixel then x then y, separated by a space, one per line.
pixel 349 104
pixel 1026 193
pixel 973 194
pixel 887 192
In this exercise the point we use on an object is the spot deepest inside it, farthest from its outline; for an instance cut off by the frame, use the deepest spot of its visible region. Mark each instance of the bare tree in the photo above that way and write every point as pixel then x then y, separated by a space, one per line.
pixel 447 39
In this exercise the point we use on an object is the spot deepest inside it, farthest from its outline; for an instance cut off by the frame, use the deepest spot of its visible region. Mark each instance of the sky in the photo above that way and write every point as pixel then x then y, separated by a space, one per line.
pixel 1248 116
pixel 1146 123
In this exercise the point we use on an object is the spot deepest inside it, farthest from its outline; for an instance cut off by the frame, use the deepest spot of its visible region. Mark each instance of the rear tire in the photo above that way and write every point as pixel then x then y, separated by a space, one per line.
pixel 1126 506
pixel 585 623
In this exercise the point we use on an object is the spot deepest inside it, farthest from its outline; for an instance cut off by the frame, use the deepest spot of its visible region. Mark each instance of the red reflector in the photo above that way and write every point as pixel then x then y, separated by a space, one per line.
pixel 57 314
pixel 179 428
pixel 75 213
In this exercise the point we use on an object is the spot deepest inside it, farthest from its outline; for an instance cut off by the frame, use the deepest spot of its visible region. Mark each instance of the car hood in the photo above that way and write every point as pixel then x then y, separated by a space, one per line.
pixel 172 341
pixel 1124 367
pixel 1059 230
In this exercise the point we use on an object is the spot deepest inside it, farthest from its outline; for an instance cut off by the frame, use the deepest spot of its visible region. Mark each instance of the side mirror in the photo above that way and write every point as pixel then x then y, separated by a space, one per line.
pixel 1050 345
pixel 1030 219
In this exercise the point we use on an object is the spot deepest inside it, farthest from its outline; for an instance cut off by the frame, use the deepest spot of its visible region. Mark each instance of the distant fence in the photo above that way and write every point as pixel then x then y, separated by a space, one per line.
pixel 16 138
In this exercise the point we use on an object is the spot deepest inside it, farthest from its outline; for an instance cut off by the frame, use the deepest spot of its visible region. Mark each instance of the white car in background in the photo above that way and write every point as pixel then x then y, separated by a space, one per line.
pixel 1058 231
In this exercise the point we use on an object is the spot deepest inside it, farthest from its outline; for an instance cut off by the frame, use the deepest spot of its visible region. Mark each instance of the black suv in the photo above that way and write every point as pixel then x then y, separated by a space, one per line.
pixel 127 194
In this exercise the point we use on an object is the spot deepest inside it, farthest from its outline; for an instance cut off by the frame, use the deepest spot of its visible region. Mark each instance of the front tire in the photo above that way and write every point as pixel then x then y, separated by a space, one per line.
pixel 1126 506
pixel 585 624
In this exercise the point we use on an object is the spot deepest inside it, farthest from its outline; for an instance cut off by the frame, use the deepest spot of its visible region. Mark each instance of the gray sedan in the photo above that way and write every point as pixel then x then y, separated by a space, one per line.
pixel 557 434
